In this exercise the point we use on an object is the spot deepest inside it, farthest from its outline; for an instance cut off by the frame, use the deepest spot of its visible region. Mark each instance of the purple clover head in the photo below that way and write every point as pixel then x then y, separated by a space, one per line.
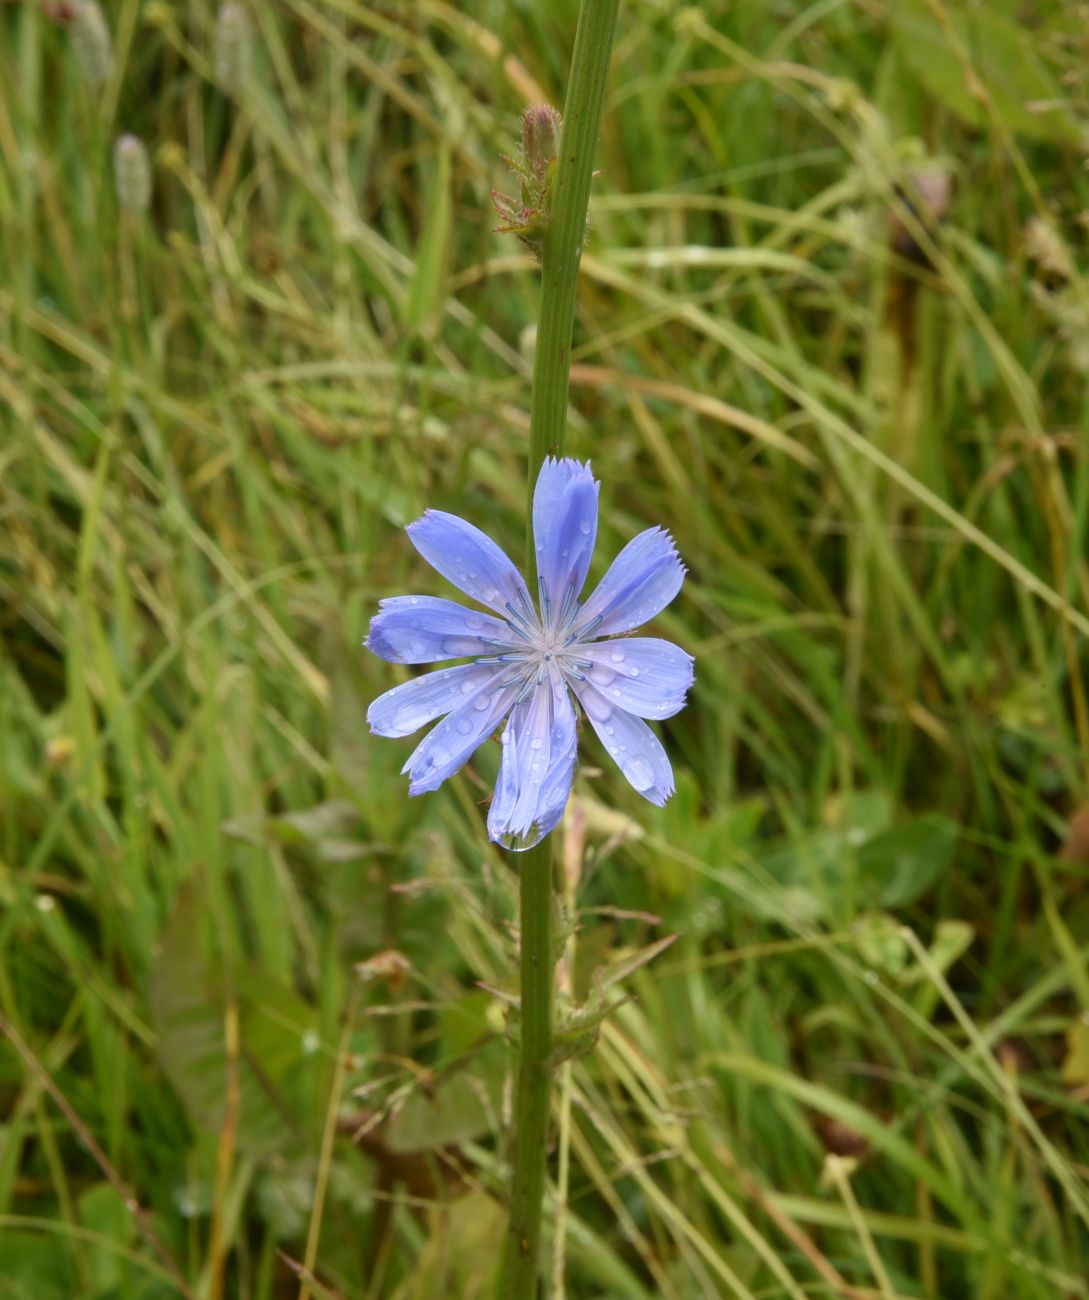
pixel 533 664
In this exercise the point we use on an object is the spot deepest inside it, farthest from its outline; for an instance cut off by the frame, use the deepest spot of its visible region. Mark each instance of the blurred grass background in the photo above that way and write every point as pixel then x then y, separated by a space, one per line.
pixel 833 333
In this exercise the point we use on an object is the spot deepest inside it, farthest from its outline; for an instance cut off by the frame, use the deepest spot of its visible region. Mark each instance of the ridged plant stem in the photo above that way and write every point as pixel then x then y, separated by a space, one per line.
pixel 564 239
pixel 560 257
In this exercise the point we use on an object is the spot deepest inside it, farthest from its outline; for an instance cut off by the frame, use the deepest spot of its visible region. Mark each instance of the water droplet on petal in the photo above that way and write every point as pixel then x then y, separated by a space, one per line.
pixel 584 527
pixel 482 701
pixel 633 672
pixel 535 743
pixel 609 731
pixel 597 706
pixel 639 773
pixel 617 655
pixel 464 726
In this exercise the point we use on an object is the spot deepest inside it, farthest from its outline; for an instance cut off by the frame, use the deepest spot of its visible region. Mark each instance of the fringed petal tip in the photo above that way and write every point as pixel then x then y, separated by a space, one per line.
pixel 467 558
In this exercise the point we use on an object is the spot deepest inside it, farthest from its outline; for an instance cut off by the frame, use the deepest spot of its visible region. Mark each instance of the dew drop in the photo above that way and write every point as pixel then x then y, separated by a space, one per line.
pixel 464 726
pixel 597 706
pixel 610 731
pixel 413 600
pixel 584 527
pixel 482 701
pixel 617 656
pixel 638 772
pixel 633 672
pixel 468 686
pixel 535 743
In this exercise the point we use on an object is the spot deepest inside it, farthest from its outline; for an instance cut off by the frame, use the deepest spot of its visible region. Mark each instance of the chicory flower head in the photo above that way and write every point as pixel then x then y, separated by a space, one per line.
pixel 528 659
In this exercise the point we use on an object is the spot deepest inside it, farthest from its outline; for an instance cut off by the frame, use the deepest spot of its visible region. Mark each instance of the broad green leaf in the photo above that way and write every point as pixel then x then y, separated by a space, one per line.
pixel 189 995
pixel 899 865
pixel 462 1251
pixel 464 1104
pixel 1002 64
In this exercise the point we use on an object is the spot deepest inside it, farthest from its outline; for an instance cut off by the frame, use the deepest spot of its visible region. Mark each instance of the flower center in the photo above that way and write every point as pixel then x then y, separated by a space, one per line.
pixel 538 648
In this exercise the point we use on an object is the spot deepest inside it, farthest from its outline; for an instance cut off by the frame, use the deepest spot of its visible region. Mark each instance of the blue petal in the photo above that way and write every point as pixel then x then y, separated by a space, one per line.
pixel 425 629
pixel 641 581
pixel 447 747
pixel 413 704
pixel 564 530
pixel 636 749
pixel 534 783
pixel 469 559
pixel 641 674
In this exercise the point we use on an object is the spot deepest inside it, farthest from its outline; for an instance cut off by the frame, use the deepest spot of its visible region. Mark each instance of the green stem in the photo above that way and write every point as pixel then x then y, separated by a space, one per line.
pixel 560 257
pixel 533 1097
pixel 563 241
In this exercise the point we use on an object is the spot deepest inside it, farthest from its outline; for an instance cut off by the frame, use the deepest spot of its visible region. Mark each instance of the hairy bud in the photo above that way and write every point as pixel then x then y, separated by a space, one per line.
pixel 132 174
pixel 540 139
pixel 92 42
pixel 233 47
pixel 527 215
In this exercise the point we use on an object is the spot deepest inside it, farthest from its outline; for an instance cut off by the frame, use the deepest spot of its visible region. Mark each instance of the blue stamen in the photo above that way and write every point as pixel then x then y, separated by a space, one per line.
pixel 569 607
pixel 546 604
pixel 580 634
pixel 528 687
pixel 519 624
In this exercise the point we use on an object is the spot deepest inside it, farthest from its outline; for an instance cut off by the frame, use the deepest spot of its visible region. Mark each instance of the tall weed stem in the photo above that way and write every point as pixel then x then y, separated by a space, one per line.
pixel 560 257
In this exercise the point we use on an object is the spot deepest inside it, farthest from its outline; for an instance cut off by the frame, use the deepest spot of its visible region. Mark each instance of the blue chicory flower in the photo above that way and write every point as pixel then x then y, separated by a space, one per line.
pixel 527 661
